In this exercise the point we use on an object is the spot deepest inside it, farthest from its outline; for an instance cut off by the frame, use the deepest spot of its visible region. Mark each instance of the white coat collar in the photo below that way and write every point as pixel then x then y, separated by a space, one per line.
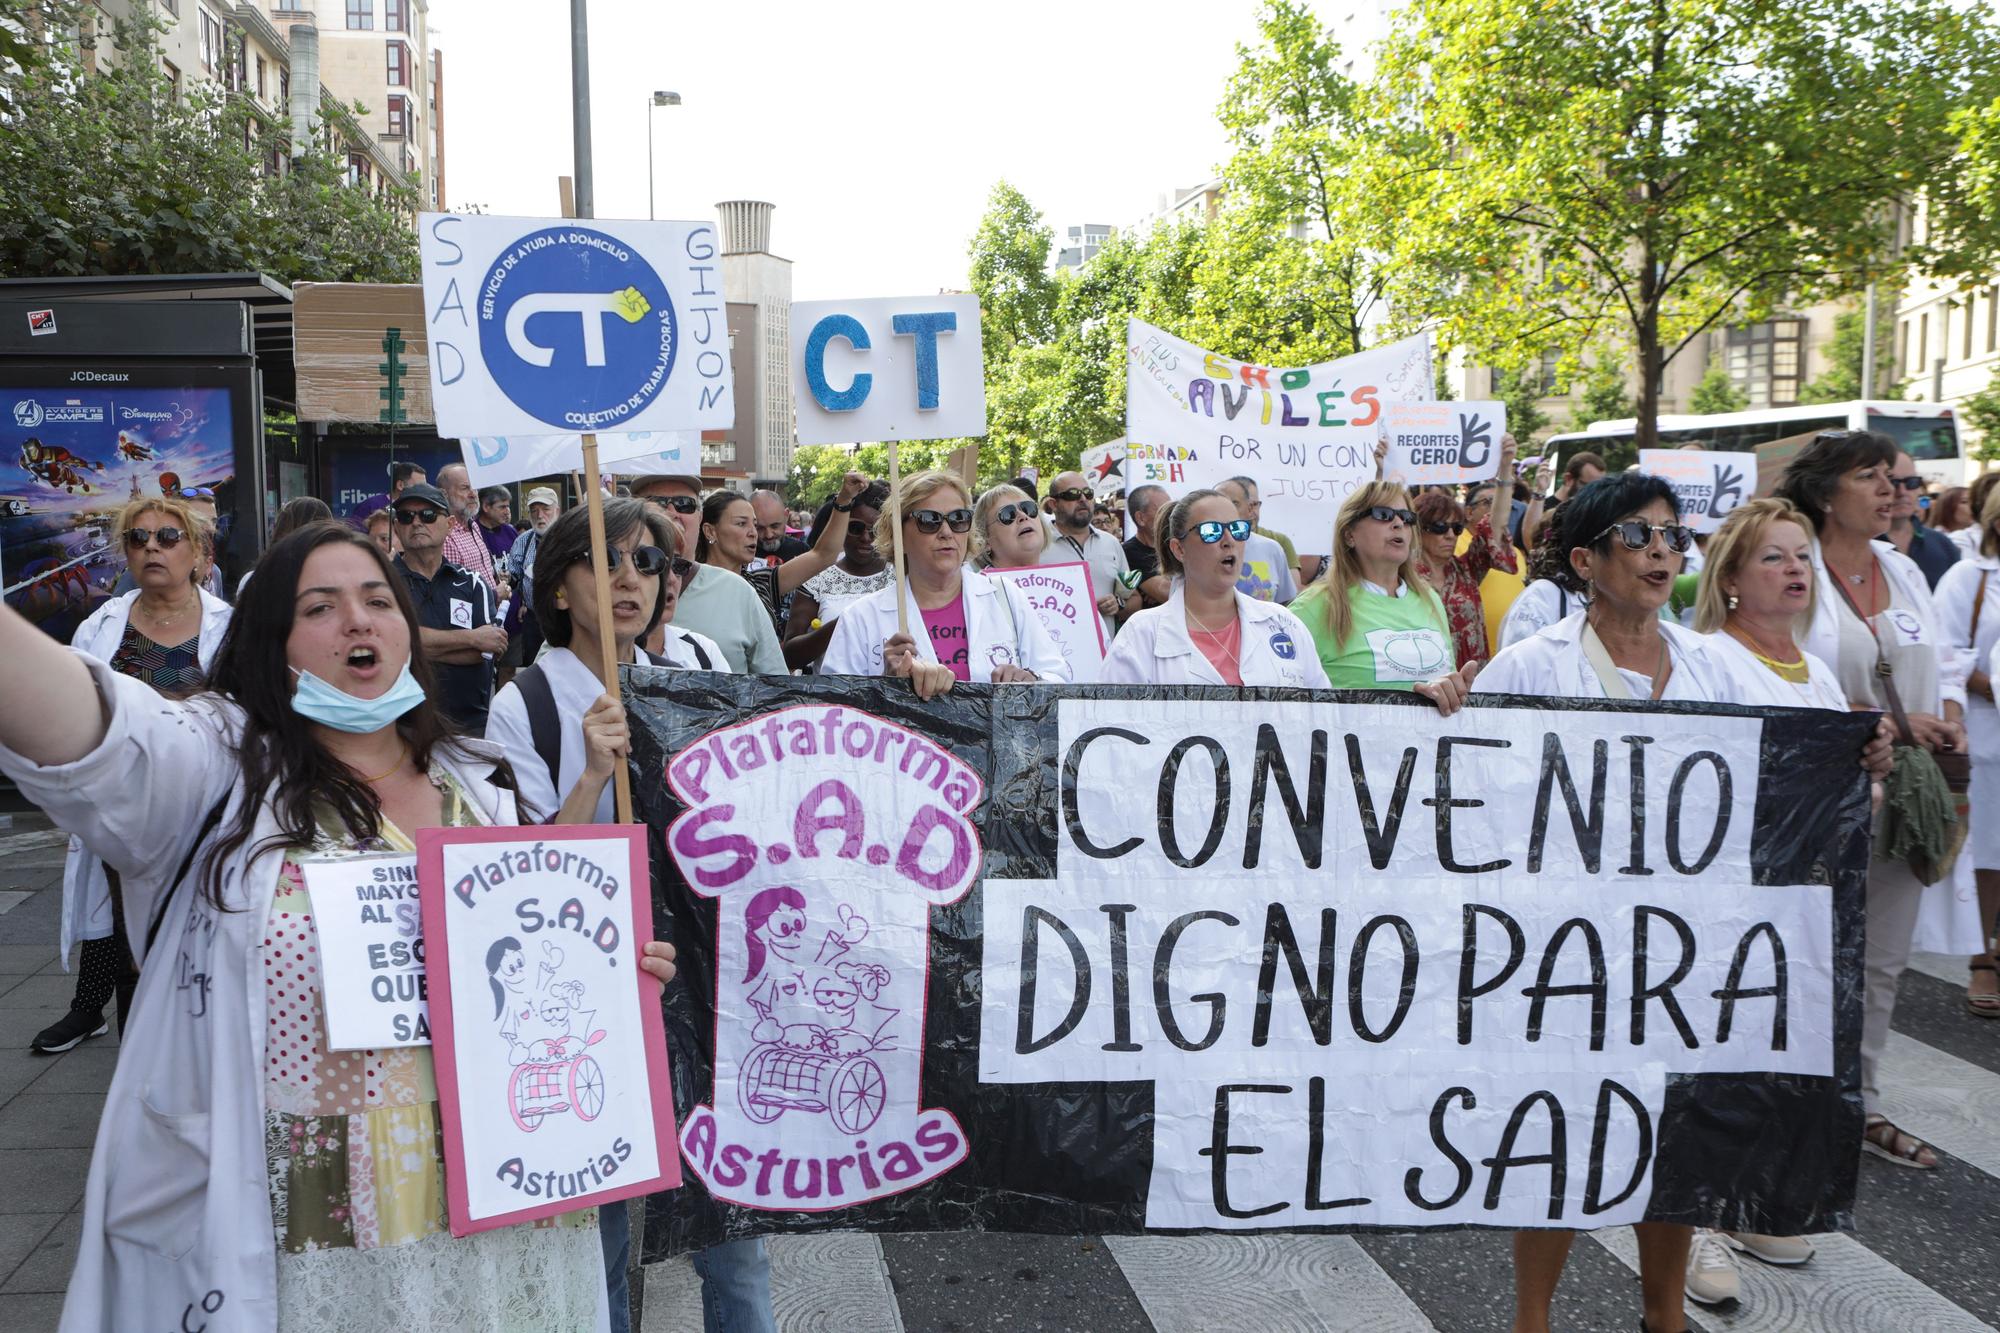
pixel 1172 638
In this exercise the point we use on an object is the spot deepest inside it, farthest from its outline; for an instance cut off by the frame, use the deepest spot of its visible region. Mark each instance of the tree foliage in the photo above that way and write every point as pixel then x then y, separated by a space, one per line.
pixel 116 174
pixel 1521 390
pixel 1717 393
pixel 1572 172
pixel 818 468
pixel 1982 412
pixel 1601 394
pixel 1840 382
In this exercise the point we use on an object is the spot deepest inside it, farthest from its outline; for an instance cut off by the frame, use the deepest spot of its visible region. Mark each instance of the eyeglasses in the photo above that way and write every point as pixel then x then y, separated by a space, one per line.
pixel 1007 513
pixel 1211 531
pixel 169 537
pixel 1071 495
pixel 681 568
pixel 1385 514
pixel 1908 483
pixel 197 493
pixel 1638 536
pixel 426 515
pixel 648 560
pixel 1444 529
pixel 930 520
pixel 680 504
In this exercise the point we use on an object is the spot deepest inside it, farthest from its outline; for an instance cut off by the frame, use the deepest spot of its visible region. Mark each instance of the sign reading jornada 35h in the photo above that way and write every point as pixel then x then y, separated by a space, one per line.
pixel 551 326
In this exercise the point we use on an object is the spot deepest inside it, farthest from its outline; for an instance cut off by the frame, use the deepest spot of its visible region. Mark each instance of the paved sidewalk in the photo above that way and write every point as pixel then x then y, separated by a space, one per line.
pixel 49 1105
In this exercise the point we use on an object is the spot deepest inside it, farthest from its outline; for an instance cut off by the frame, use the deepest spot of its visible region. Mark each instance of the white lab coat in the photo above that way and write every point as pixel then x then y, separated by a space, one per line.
pixel 1001 629
pixel 1553 663
pixel 1822 637
pixel 1154 648
pixel 86 891
pixel 177 1205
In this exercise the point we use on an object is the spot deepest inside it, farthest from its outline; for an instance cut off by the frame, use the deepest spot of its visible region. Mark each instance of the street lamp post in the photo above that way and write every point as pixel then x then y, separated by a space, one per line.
pixel 658 99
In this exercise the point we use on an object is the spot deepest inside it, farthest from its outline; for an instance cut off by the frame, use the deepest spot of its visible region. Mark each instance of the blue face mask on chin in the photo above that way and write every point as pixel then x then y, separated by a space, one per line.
pixel 317 701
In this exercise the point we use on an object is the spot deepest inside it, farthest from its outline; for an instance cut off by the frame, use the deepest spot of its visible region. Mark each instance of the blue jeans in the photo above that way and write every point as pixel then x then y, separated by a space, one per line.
pixel 735 1288
pixel 614 1230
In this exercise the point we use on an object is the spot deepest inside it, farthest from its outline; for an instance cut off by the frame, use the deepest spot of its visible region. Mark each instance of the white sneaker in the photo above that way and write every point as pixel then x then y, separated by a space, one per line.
pixel 1785 1251
pixel 1712 1279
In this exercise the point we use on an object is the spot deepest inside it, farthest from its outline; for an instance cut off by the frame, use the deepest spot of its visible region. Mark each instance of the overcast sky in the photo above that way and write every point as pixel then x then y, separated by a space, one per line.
pixel 877 127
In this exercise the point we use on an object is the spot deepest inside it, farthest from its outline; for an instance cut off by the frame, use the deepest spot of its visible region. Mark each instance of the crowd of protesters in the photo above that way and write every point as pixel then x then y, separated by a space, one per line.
pixel 429 661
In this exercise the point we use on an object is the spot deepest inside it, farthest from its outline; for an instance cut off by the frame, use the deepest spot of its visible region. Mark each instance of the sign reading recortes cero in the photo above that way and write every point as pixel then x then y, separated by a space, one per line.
pixel 553 326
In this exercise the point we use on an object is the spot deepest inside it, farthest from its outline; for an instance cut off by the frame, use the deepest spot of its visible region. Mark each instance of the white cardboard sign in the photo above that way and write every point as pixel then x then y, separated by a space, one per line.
pixel 1061 597
pixel 1443 444
pixel 1709 485
pixel 371 938
pixel 546 326
pixel 888 368
pixel 495 460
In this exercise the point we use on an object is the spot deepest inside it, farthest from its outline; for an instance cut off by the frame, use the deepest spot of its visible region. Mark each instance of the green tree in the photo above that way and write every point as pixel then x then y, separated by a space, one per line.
pixel 1010 274
pixel 1717 393
pixel 1982 412
pixel 1580 171
pixel 1521 390
pixel 818 468
pixel 1601 394
pixel 1840 382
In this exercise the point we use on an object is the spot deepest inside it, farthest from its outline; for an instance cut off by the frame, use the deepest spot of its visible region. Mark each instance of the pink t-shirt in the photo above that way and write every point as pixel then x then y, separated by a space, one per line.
pixel 1223 649
pixel 946 626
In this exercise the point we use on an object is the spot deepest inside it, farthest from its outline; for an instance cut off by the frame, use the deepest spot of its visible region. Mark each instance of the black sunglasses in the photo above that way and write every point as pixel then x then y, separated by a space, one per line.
pixel 426 515
pixel 930 520
pixel 1211 531
pixel 856 528
pixel 680 504
pixel 169 537
pixel 681 568
pixel 1007 513
pixel 1908 483
pixel 1442 529
pixel 1637 536
pixel 1385 514
pixel 648 560
pixel 1071 495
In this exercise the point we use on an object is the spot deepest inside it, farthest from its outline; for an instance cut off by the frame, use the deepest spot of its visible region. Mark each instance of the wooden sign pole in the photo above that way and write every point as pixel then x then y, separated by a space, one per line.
pixel 607 642
pixel 896 533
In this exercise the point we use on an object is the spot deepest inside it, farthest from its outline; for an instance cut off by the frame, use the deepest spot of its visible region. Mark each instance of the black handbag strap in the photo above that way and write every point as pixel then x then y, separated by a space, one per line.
pixel 208 826
pixel 544 726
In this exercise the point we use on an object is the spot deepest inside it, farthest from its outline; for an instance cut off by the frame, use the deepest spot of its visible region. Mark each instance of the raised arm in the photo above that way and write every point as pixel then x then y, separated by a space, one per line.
pixel 52 714
pixel 832 536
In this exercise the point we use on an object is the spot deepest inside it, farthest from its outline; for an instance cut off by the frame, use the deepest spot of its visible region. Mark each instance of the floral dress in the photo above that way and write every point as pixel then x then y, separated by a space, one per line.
pixel 1458 584
pixel 355 1163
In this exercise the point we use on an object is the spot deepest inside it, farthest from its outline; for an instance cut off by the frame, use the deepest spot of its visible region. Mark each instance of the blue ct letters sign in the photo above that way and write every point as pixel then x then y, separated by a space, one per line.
pixel 891 368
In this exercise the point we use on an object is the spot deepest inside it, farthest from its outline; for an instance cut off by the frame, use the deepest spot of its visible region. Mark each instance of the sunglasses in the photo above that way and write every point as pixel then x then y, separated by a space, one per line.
pixel 681 568
pixel 1637 536
pixel 856 528
pixel 1444 529
pixel 930 520
pixel 1007 513
pixel 680 504
pixel 1385 514
pixel 1908 483
pixel 1211 531
pixel 427 515
pixel 169 537
pixel 648 560
pixel 197 493
pixel 1071 495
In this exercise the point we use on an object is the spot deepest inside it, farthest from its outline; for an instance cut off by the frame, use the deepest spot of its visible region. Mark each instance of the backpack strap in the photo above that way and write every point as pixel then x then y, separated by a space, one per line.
pixel 544 727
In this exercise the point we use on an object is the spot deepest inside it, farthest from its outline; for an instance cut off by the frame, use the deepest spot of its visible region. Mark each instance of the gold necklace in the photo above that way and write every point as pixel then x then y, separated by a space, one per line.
pixel 1744 637
pixel 165 622
pixel 401 754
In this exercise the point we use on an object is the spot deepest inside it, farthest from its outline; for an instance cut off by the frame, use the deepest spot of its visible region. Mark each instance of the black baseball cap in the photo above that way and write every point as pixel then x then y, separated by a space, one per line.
pixel 425 492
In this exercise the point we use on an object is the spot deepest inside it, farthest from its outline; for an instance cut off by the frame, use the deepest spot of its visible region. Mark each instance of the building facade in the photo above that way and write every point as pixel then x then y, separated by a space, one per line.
pixel 753 277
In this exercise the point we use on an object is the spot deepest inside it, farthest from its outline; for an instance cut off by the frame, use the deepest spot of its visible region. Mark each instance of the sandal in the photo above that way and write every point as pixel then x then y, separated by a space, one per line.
pixel 1984 1004
pixel 1880 1136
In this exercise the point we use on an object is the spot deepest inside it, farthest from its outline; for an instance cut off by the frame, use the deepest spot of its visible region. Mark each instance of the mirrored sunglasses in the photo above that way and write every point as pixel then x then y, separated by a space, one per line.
pixel 1637 536
pixel 648 560
pixel 1211 531
pixel 168 537
pixel 1071 495
pixel 1007 513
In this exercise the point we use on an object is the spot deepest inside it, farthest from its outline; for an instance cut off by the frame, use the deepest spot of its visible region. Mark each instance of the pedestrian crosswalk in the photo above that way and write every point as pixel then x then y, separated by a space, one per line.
pixel 1925 1256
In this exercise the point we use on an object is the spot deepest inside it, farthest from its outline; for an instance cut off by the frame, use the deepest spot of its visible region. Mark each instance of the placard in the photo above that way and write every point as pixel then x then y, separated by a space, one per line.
pixel 547 326
pixel 1305 435
pixel 1443 444
pixel 495 460
pixel 1212 959
pixel 1709 485
pixel 371 936
pixel 1063 602
pixel 888 368
pixel 550 1052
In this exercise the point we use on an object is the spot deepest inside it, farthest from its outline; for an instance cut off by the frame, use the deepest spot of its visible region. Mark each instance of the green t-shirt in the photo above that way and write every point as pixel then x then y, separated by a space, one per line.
pixel 1395 642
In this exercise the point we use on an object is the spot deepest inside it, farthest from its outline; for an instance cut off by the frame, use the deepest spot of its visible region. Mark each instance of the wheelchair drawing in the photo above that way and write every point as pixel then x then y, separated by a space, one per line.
pixel 777 1078
pixel 571 1081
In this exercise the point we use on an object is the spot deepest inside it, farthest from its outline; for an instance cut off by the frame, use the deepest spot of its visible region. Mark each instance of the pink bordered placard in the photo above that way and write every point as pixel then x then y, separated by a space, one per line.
pixel 1076 588
pixel 550 1050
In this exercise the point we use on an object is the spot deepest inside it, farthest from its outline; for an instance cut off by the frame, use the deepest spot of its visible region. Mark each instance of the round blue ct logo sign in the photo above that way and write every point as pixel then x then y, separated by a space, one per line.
pixel 1282 645
pixel 576 328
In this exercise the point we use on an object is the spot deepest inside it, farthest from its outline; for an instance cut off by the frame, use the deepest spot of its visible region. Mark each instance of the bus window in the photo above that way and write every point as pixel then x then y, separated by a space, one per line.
pixel 1922 438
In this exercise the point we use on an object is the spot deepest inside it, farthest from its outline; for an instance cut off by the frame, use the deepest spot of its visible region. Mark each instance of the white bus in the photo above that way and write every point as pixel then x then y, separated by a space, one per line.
pixel 1929 431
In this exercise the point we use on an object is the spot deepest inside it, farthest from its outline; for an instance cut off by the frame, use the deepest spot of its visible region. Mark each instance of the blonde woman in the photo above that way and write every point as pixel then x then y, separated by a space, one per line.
pixel 165 633
pixel 1757 590
pixel 1007 530
pixel 965 625
pixel 1375 622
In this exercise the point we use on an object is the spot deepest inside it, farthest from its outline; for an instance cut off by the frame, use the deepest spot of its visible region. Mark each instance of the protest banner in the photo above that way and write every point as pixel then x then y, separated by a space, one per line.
pixel 545 326
pixel 1709 485
pixel 1305 435
pixel 1443 444
pixel 371 945
pixel 550 1052
pixel 1109 960
pixel 888 368
pixel 1104 468
pixel 495 460
pixel 1063 602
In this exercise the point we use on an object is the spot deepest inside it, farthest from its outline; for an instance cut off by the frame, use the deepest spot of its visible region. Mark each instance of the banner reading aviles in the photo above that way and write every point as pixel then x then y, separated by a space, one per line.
pixel 1305 435
pixel 1042 959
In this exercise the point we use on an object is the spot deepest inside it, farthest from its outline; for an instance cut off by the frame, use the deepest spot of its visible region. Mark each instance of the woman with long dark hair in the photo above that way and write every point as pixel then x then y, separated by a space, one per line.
pixel 238 1157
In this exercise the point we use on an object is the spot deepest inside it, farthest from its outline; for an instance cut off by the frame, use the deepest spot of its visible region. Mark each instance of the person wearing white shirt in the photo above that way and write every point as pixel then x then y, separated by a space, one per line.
pixel 1209 632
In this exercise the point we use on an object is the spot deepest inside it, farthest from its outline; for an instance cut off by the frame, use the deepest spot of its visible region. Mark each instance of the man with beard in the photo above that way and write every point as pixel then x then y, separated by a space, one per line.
pixel 463 546
pixel 1069 503
pixel 773 542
